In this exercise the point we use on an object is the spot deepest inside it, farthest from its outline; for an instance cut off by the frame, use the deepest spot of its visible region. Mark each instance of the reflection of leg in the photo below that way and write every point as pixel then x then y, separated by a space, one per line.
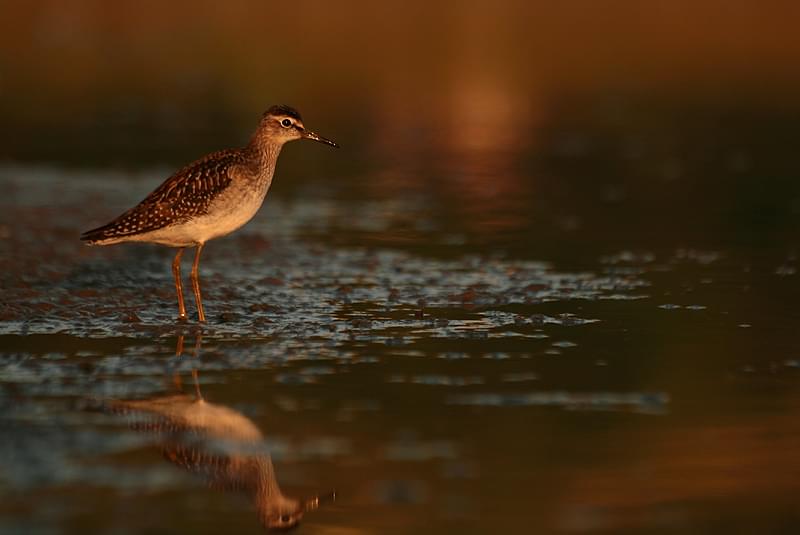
pixel 197 392
pixel 179 346
pixel 198 342
pixel 176 377
pixel 196 284
pixel 176 272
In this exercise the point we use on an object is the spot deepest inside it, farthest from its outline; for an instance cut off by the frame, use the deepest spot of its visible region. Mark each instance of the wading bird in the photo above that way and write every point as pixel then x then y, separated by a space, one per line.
pixel 209 198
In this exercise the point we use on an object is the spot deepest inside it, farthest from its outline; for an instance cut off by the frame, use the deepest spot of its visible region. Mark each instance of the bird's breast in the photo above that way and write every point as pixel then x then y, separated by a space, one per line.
pixel 230 210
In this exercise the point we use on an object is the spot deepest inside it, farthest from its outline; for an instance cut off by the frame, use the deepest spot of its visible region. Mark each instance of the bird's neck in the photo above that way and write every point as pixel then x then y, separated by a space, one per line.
pixel 263 157
pixel 264 148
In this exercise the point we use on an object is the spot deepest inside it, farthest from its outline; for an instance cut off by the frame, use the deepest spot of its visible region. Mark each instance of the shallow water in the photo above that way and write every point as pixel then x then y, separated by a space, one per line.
pixel 596 334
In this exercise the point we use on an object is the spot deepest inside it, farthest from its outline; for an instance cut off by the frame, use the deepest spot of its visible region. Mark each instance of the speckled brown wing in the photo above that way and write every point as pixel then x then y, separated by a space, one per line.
pixel 191 447
pixel 224 472
pixel 186 194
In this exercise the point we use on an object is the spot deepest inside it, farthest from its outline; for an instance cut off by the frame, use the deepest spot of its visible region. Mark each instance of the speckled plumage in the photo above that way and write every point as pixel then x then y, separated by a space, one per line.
pixel 208 198
pixel 186 195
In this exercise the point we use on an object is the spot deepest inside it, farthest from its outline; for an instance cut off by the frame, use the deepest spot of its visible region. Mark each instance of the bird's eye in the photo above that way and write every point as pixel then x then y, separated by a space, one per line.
pixel 286 123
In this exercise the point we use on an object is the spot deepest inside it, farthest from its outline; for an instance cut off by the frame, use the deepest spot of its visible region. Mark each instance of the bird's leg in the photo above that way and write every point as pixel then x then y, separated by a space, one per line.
pixel 196 284
pixel 176 272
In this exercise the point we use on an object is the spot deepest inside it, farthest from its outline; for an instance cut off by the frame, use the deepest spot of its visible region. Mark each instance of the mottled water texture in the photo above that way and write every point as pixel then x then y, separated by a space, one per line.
pixel 454 387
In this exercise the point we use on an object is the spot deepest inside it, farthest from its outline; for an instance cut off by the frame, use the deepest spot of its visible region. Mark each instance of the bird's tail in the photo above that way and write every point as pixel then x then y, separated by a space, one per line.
pixel 105 235
pixel 93 236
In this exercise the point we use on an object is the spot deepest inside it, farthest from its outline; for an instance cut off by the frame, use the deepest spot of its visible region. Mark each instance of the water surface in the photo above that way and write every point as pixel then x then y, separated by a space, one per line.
pixel 592 329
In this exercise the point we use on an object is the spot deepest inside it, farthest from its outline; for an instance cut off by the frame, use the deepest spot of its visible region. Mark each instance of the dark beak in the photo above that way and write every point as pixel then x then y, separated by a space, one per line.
pixel 308 134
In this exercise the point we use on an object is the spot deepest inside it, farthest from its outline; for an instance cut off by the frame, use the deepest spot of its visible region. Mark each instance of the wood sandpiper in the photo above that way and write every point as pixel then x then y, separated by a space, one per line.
pixel 209 198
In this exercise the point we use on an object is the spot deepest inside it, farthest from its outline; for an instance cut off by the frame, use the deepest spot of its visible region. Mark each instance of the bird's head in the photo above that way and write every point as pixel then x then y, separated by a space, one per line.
pixel 278 512
pixel 283 123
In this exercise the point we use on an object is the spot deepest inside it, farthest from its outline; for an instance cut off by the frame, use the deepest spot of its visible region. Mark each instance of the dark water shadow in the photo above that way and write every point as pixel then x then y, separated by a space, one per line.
pixel 217 443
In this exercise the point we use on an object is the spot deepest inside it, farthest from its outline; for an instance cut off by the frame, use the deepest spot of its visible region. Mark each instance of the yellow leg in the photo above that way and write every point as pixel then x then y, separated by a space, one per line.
pixel 176 272
pixel 196 284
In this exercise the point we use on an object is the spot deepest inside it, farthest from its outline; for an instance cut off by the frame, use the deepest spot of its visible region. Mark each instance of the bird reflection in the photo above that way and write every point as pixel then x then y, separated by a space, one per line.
pixel 219 444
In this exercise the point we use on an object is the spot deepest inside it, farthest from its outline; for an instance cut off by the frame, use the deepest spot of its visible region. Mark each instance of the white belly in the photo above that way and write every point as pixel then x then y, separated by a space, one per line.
pixel 228 212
